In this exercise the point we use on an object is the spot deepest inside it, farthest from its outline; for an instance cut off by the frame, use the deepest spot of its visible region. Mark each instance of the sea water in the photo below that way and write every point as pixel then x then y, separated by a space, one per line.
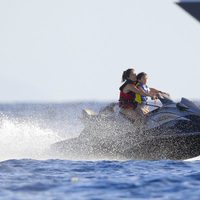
pixel 28 170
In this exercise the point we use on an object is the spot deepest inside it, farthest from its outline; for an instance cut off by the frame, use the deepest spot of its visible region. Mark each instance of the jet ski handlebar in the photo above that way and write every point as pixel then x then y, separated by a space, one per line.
pixel 165 98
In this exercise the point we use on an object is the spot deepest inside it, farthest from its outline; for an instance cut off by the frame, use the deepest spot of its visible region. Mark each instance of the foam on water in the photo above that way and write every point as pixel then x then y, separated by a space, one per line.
pixel 194 159
pixel 28 130
pixel 25 140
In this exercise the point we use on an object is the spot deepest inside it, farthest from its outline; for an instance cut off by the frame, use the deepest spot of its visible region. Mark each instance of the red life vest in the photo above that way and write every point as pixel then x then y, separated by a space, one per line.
pixel 127 100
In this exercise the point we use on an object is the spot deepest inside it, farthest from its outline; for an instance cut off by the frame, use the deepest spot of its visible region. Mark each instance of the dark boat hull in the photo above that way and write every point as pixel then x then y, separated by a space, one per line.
pixel 174 147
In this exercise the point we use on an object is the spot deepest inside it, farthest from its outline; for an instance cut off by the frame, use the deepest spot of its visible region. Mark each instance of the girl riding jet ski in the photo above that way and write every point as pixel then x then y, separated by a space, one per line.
pixel 143 107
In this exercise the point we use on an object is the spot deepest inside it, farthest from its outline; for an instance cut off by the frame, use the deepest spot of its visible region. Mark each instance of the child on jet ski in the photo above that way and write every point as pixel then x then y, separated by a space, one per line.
pixel 142 79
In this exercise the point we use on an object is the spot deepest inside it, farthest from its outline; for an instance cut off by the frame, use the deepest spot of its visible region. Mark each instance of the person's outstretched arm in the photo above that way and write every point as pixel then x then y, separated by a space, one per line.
pixel 140 91
pixel 156 91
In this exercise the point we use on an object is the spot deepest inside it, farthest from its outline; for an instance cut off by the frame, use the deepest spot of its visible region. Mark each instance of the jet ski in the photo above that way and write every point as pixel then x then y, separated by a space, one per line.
pixel 169 131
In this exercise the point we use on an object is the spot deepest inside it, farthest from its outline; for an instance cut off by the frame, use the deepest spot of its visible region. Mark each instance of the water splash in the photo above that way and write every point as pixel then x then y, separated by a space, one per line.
pixel 25 140
pixel 29 130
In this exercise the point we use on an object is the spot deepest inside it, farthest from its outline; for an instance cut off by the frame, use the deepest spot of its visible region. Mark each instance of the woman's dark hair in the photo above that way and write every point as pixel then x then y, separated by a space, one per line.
pixel 126 74
pixel 140 75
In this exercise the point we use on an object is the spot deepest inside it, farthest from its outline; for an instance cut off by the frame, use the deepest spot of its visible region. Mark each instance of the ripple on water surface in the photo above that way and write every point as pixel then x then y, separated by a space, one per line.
pixel 30 179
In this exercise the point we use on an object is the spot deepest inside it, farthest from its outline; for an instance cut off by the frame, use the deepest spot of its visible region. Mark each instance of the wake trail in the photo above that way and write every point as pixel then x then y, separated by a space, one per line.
pixel 19 140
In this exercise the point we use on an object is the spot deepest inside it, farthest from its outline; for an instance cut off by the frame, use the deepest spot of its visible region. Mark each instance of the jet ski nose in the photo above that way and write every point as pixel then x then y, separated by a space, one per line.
pixel 182 107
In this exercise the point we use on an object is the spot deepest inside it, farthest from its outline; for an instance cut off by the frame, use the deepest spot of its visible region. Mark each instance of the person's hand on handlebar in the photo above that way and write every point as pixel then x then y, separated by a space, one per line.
pixel 154 97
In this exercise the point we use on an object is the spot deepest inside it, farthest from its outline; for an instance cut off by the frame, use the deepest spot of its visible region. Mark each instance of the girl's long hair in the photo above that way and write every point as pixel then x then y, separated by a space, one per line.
pixel 126 74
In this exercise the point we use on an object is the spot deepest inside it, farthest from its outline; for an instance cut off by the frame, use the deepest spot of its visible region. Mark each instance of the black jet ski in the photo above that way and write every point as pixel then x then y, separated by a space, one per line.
pixel 170 131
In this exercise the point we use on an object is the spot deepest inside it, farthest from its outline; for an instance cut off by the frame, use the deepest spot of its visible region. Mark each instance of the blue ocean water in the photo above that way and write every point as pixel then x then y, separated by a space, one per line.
pixel 29 171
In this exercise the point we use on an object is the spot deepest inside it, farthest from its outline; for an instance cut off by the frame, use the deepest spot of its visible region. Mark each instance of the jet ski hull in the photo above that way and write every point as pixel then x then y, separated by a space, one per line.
pixel 174 147
pixel 169 132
